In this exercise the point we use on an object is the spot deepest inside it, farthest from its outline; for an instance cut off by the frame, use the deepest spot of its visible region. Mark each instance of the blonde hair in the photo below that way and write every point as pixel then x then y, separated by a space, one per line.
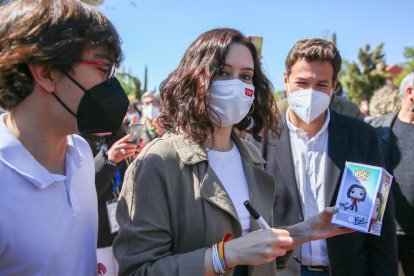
pixel 384 100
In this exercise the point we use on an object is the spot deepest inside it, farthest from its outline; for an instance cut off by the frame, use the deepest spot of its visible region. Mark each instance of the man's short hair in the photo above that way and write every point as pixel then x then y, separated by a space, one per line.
pixel 314 50
pixel 54 33
pixel 408 81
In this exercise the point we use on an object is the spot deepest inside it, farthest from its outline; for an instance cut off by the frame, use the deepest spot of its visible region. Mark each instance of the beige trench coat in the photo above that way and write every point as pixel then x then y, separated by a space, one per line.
pixel 173 207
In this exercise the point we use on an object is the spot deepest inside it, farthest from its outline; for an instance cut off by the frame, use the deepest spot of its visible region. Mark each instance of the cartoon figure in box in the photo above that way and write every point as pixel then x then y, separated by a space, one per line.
pixel 357 193
pixel 377 208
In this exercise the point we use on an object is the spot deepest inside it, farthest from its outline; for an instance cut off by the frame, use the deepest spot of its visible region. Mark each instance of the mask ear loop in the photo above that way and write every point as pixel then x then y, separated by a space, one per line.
pixel 60 101
pixel 74 81
pixel 250 119
pixel 63 104
pixel 251 111
pixel 288 87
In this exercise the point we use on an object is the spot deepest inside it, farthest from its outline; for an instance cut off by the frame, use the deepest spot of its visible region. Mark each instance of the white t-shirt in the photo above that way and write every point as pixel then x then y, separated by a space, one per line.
pixel 48 222
pixel 229 169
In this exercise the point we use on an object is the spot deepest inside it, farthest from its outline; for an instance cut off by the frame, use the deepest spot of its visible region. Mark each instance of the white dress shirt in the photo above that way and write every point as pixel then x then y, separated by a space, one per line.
pixel 48 222
pixel 309 159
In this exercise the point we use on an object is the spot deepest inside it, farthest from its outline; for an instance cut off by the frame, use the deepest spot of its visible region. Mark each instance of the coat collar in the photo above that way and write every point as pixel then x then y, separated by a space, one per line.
pixel 285 161
pixel 12 152
pixel 191 153
pixel 261 184
pixel 337 145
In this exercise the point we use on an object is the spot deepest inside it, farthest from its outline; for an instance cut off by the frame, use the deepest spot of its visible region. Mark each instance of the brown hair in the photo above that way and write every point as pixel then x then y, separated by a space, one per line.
pixel 314 50
pixel 54 33
pixel 185 92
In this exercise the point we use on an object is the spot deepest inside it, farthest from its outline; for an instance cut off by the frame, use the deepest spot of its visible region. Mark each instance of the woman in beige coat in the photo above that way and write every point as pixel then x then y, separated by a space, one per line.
pixel 186 190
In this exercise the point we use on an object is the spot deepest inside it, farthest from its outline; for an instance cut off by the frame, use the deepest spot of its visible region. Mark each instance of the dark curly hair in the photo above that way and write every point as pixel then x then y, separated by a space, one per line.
pixel 185 92
pixel 54 33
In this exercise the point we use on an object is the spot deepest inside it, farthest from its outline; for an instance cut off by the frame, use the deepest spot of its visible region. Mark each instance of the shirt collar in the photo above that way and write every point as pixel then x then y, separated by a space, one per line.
pixel 14 155
pixel 300 132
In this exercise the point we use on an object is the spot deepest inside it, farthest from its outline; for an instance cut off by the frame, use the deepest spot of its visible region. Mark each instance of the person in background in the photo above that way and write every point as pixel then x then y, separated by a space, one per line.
pixel 133 114
pixel 364 108
pixel 57 65
pixel 150 111
pixel 396 131
pixel 186 190
pixel 308 161
pixel 338 104
pixel 343 106
pixel 112 155
pixel 384 100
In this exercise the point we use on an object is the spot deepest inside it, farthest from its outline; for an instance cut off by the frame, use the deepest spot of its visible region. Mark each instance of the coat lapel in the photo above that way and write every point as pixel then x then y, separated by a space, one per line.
pixel 337 144
pixel 261 184
pixel 261 187
pixel 261 192
pixel 213 191
pixel 283 157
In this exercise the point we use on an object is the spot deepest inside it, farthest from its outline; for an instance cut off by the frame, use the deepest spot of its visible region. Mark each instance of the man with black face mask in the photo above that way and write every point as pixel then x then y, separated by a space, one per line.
pixel 57 64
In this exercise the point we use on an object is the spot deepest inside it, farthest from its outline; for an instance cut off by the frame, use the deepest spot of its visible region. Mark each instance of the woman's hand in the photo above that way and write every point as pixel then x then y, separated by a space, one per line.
pixel 121 150
pixel 257 247
pixel 317 227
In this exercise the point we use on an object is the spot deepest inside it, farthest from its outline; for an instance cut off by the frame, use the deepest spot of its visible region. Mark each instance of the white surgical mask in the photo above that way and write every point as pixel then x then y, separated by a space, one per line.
pixel 151 112
pixel 308 104
pixel 231 100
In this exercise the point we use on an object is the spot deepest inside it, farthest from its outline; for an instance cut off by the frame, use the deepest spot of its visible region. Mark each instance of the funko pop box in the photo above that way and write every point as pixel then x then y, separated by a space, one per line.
pixel 362 198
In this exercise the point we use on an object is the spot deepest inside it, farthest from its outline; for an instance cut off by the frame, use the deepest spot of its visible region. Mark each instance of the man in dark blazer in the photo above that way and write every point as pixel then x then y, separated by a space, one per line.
pixel 308 162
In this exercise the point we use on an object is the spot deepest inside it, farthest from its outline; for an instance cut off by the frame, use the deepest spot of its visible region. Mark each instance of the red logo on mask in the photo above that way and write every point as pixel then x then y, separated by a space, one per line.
pixel 248 92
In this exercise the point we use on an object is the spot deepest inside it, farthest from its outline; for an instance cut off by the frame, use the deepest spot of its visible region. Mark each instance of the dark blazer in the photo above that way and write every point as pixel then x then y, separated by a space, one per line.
pixel 349 140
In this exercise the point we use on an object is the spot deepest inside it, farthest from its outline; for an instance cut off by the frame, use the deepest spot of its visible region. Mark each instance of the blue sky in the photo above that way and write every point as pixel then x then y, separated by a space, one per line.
pixel 156 33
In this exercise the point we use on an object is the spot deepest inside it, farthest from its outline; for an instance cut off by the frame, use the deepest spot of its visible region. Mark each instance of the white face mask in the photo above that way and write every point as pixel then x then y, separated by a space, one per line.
pixel 151 112
pixel 231 100
pixel 308 104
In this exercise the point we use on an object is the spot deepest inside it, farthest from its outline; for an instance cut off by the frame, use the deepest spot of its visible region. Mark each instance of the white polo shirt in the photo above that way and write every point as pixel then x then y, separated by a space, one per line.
pixel 48 222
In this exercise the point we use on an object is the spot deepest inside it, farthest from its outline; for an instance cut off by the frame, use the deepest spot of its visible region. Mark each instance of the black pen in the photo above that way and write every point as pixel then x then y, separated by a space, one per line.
pixel 256 216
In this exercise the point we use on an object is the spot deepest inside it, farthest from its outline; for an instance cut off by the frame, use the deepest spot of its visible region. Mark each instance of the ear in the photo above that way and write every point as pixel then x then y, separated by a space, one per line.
pixel 334 85
pixel 409 95
pixel 286 82
pixel 44 76
pixel 409 92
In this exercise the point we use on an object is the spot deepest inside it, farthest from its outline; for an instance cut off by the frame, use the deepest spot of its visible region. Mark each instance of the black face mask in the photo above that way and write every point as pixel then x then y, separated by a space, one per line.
pixel 102 108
